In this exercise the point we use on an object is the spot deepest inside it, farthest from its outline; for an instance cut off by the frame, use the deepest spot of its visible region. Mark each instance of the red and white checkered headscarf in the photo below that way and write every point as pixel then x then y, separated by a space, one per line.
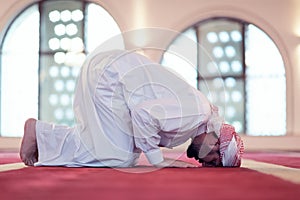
pixel 231 146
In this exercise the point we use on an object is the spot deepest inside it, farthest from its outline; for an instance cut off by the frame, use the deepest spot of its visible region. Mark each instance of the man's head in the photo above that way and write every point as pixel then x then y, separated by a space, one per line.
pixel 214 151
pixel 206 149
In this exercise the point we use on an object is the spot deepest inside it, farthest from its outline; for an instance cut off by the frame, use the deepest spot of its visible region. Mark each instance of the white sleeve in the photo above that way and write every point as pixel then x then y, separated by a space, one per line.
pixel 145 130
pixel 162 115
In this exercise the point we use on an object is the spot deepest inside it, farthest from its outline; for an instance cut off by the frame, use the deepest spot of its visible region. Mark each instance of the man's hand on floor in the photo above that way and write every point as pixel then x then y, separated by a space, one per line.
pixel 168 162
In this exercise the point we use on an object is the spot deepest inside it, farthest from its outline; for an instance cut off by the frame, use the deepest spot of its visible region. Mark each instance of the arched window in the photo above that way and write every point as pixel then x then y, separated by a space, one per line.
pixel 239 68
pixel 40 58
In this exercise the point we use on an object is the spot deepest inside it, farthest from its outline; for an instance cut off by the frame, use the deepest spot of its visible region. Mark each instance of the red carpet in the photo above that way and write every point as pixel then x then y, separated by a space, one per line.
pixel 170 183
pixel 9 157
pixel 288 159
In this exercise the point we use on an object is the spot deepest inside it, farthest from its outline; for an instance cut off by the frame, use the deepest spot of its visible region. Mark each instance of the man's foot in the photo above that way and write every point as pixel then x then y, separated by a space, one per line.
pixel 29 150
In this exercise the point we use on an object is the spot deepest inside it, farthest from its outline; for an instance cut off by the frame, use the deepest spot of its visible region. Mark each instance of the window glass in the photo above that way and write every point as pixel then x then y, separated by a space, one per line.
pixel 182 56
pixel 98 35
pixel 42 52
pixel 62 54
pixel 221 68
pixel 19 73
pixel 244 78
pixel 265 85
pixel 220 49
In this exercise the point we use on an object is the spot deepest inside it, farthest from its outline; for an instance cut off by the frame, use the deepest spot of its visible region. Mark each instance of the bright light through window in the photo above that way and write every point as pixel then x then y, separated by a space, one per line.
pixel 41 56
pixel 253 98
pixel 265 85
pixel 19 73
pixel 182 57
pixel 100 28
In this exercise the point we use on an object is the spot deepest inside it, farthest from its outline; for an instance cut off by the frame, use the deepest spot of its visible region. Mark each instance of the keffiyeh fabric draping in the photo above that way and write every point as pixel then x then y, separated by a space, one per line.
pixel 231 146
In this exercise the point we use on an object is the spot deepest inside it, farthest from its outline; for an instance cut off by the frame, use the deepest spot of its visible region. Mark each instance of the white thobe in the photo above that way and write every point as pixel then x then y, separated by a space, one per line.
pixel 124 104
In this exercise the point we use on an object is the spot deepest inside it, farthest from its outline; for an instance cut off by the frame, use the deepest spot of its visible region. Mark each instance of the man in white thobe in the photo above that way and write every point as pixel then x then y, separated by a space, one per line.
pixel 125 104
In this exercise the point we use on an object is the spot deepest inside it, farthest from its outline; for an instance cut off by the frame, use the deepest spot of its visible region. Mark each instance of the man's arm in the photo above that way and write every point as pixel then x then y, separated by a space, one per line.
pixel 146 137
pixel 153 116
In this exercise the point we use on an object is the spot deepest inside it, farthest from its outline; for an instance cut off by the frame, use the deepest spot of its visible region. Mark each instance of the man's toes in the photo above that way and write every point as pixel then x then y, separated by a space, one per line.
pixel 30 161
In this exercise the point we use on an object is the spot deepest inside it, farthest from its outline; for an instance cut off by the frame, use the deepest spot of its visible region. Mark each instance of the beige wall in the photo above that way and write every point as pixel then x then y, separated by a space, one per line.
pixel 279 18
